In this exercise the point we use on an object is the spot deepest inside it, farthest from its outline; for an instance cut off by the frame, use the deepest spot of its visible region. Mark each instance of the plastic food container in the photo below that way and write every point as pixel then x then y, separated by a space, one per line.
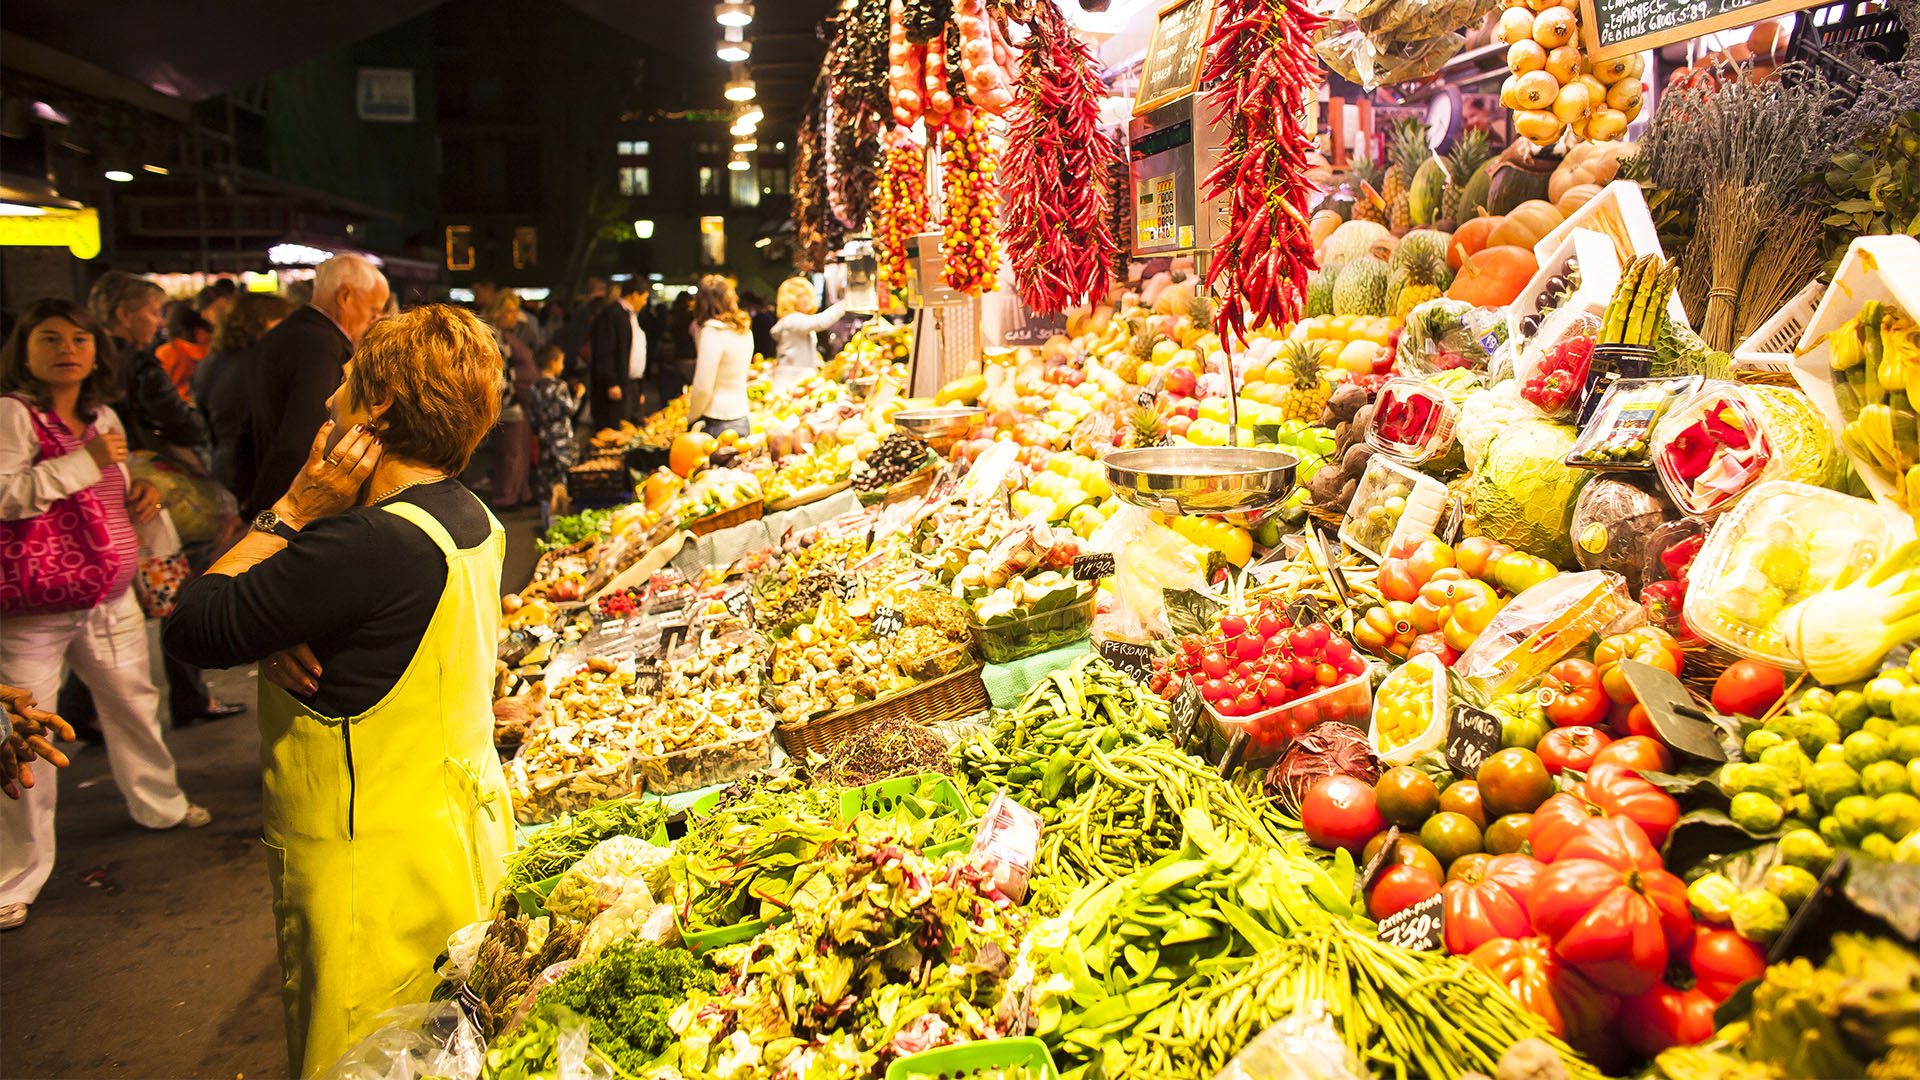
pixel 881 799
pixel 1555 364
pixel 1391 502
pixel 1412 421
pixel 1424 680
pixel 1784 542
pixel 1034 633
pixel 1268 733
pixel 1620 435
pixel 1711 449
pixel 704 766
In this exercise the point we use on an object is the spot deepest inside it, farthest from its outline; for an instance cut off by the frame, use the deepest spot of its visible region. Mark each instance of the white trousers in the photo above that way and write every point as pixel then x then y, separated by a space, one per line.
pixel 107 648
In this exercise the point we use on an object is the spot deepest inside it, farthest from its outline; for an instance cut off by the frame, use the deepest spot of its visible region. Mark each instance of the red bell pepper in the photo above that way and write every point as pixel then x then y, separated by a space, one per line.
pixel 1569 1002
pixel 1572 695
pixel 1489 902
pixel 1609 908
pixel 1678 558
pixel 1649 645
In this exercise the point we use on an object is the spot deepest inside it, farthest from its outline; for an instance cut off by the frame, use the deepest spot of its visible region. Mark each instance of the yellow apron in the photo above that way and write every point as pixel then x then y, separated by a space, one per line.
pixel 386 831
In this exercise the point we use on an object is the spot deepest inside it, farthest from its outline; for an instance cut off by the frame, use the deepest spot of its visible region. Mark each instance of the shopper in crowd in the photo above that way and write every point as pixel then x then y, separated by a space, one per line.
pixel 723 355
pixel 371 600
pixel 793 334
pixel 300 362
pixel 580 326
pixel 223 383
pixel 157 417
pixel 189 336
pixel 513 435
pixel 67 558
pixel 553 404
pixel 553 324
pixel 760 318
pixel 483 293
pixel 619 357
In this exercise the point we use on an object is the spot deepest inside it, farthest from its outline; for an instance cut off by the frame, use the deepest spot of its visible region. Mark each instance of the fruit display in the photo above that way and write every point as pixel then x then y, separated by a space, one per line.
pixel 1552 89
pixel 896 458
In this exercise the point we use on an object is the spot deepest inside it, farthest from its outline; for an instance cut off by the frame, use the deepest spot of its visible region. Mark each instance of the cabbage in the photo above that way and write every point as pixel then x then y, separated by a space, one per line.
pixel 1524 493
pixel 1800 435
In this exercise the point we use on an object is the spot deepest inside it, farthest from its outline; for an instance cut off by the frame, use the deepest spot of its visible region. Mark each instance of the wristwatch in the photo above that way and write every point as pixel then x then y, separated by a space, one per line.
pixel 269 522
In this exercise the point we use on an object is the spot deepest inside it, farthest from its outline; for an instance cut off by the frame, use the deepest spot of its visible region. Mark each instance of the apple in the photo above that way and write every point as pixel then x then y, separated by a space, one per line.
pixel 1181 381
pixel 1178 424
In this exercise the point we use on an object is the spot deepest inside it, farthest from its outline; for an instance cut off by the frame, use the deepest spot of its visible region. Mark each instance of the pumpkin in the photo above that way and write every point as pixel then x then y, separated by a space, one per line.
pixel 1588 163
pixel 659 487
pixel 1469 238
pixel 690 452
pixel 1576 197
pixel 1494 276
pixel 1526 224
pixel 1174 299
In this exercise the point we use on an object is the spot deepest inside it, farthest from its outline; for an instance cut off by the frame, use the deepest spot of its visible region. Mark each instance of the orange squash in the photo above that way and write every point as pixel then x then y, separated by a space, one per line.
pixel 1494 276
pixel 1526 224
pixel 690 452
pixel 1469 238
pixel 659 487
pixel 1576 197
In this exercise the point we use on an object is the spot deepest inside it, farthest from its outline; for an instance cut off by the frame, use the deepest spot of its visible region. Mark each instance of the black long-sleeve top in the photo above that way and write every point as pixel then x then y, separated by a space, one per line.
pixel 358 588
pixel 156 414
pixel 298 368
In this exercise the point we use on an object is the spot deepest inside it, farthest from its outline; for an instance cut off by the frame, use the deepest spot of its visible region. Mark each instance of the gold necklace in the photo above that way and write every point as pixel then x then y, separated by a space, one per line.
pixel 377 499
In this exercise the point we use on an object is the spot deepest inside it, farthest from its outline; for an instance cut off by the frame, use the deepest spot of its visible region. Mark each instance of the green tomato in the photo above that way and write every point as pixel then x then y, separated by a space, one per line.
pixel 1523 723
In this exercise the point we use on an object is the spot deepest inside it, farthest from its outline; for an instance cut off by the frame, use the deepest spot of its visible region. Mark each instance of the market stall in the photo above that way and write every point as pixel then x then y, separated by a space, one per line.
pixel 1460 625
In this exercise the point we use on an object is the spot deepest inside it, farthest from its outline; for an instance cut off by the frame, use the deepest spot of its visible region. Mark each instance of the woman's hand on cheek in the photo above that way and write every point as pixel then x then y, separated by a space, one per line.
pixel 330 482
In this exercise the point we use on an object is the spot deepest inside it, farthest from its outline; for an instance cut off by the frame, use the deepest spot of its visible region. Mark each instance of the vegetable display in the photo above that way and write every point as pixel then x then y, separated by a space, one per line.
pixel 968 167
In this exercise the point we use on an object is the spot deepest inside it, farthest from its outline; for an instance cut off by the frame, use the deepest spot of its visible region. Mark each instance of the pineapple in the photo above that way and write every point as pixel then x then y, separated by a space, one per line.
pixel 1412 296
pixel 1139 351
pixel 1148 429
pixel 1366 207
pixel 1406 149
pixel 1307 397
pixel 1465 159
pixel 1200 310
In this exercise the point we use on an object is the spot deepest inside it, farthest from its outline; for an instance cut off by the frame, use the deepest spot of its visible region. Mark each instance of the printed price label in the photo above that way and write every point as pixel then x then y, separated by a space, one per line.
pixel 888 621
pixel 1422 927
pixel 1186 714
pixel 1473 736
pixel 1093 567
pixel 740 604
pixel 1135 660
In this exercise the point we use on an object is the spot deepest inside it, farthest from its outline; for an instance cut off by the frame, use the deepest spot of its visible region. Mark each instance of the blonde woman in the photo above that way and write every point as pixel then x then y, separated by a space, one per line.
pixel 793 339
pixel 723 353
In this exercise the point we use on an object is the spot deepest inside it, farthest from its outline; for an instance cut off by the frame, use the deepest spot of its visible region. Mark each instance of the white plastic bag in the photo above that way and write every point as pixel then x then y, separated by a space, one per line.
pixel 1303 1046
pixel 463 945
pixel 434 1039
pixel 615 865
pixel 1149 561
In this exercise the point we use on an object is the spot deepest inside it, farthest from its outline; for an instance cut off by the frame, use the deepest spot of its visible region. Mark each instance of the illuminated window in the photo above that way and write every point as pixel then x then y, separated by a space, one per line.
pixel 459 247
pixel 526 246
pixel 634 148
pixel 636 180
pixel 713 241
pixel 773 179
pixel 709 180
pixel 745 192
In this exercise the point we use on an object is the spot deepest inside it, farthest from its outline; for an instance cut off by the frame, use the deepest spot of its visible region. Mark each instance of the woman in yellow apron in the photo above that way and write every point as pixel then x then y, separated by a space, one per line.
pixel 370 597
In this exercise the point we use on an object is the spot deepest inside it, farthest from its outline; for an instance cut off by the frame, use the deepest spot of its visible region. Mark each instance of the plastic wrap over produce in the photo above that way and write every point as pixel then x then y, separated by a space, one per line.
pixel 1381 42
pixel 432 1039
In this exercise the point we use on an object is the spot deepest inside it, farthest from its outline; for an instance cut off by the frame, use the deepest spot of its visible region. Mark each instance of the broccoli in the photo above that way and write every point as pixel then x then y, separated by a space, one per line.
pixel 627 995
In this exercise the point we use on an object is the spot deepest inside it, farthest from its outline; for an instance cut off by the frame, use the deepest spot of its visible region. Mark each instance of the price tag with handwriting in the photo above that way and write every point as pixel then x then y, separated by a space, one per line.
pixel 1144 399
pixel 888 621
pixel 1421 927
pixel 1093 566
pixel 1135 660
pixel 845 586
pixel 670 635
pixel 739 604
pixel 1186 714
pixel 646 674
pixel 1473 736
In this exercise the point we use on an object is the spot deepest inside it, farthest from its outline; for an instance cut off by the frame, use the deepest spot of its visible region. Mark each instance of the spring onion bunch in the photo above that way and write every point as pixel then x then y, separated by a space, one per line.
pixel 1843 633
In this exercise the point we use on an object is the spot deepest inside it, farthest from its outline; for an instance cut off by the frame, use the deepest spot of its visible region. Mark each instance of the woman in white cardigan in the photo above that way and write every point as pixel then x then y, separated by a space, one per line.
pixel 723 355
pixel 793 333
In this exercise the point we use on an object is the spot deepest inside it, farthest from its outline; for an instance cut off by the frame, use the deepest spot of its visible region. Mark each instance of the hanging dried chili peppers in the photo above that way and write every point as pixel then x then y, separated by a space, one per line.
pixel 1058 240
pixel 1261 63
pixel 967 169
pixel 857 100
pixel 899 207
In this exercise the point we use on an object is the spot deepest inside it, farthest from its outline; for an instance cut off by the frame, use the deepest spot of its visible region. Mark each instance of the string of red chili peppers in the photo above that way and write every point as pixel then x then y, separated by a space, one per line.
pixel 899 207
pixel 1260 58
pixel 967 169
pixel 1054 178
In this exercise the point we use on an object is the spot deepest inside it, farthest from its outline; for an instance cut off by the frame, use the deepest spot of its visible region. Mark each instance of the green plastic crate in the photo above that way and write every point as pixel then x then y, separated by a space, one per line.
pixel 977 1061
pixel 885 795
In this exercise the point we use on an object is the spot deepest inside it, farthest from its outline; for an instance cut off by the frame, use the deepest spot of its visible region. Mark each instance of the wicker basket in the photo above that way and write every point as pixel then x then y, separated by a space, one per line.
pixel 807 496
pixel 726 519
pixel 952 696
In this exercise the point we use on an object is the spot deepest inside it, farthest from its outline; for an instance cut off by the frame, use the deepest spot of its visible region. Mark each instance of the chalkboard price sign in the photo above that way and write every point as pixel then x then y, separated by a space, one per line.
pixel 1615 28
pixel 670 635
pixel 888 621
pixel 646 674
pixel 1421 927
pixel 1172 66
pixel 1185 714
pixel 1135 660
pixel 1472 737
pixel 740 604
pixel 1093 566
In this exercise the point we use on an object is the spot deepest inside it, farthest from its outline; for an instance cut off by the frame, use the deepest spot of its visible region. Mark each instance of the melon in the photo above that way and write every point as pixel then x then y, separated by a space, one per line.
pixel 1323 224
pixel 1352 240
pixel 1362 288
pixel 1470 199
pixel 1422 257
pixel 1320 291
pixel 1425 193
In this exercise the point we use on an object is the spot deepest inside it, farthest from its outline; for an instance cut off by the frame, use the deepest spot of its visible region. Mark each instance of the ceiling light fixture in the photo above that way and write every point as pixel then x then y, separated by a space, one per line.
pixel 740 90
pixel 733 13
pixel 741 128
pixel 734 48
pixel 753 115
pixel 157 170
pixel 738 163
pixel 118 176
pixel 745 146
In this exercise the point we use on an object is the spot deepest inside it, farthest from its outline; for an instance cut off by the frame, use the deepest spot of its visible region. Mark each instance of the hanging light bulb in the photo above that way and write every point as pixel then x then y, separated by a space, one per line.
pixel 753 115
pixel 737 163
pixel 746 146
pixel 733 13
pixel 739 85
pixel 734 48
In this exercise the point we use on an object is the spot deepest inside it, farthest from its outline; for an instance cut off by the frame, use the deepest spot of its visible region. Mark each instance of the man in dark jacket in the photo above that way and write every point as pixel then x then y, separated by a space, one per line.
pixel 299 367
pixel 616 392
pixel 580 328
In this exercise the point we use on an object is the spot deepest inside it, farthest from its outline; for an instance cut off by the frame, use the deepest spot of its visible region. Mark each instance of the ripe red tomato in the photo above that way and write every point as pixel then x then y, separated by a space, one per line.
pixel 1490 902
pixel 1249 648
pixel 1273 691
pixel 1325 674
pixel 1337 652
pixel 1569 1002
pixel 1399 887
pixel 1269 624
pixel 1721 960
pixel 1232 626
pixel 1247 703
pixel 1572 695
pixel 1216 690
pixel 1748 687
pixel 1214 663
pixel 1570 747
pixel 1664 1017
pixel 1636 752
pixel 1610 909
pixel 1621 792
pixel 1340 812
pixel 1314 639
